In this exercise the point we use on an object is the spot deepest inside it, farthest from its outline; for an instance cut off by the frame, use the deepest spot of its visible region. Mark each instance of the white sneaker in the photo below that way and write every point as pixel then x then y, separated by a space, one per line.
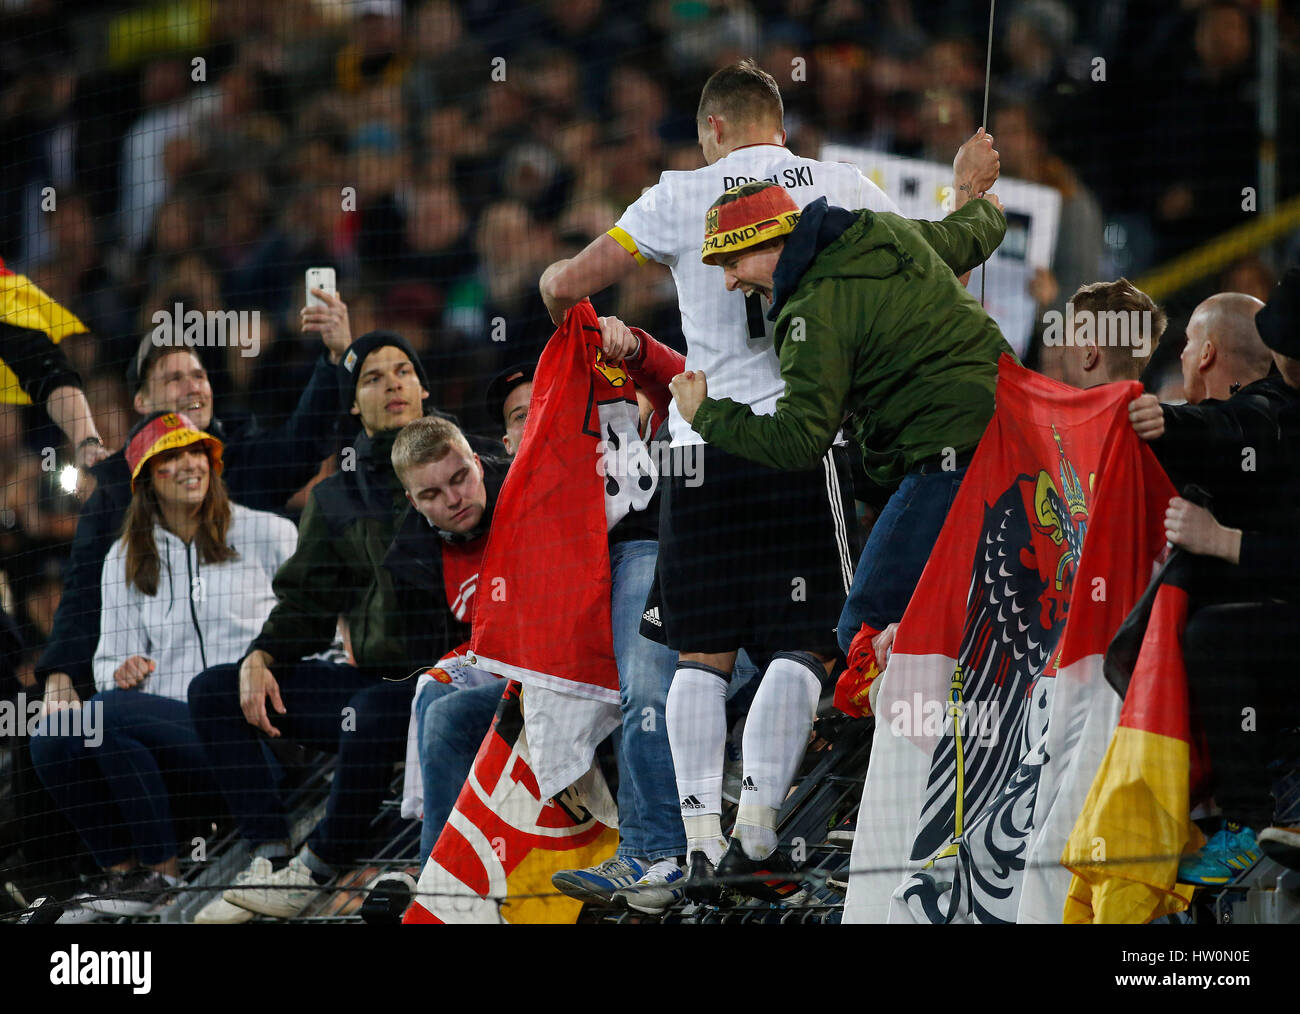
pixel 281 894
pixel 131 893
pixel 77 914
pixel 219 912
pixel 659 888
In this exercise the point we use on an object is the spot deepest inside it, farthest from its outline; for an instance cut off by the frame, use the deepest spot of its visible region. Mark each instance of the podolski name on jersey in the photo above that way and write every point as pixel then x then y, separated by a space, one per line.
pixel 799 176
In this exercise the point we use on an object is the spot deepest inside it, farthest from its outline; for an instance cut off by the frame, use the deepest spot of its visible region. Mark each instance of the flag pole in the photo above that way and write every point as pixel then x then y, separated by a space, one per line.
pixel 984 121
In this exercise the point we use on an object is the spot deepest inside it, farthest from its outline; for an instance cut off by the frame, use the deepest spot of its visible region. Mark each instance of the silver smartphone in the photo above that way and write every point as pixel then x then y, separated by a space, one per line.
pixel 320 278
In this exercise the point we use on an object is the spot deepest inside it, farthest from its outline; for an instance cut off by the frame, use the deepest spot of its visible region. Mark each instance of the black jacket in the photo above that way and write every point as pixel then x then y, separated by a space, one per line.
pixel 365 555
pixel 1244 452
pixel 427 625
pixel 262 470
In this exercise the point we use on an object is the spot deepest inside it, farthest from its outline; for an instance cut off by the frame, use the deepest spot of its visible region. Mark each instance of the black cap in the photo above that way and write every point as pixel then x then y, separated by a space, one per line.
pixel 1278 322
pixel 355 357
pixel 153 346
pixel 146 354
pixel 499 388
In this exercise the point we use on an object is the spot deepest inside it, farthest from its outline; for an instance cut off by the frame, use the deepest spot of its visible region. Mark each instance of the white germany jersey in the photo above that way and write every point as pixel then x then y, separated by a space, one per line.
pixel 727 335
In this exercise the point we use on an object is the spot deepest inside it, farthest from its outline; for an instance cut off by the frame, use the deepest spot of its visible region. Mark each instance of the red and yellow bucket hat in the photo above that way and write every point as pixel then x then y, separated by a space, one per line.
pixel 165 431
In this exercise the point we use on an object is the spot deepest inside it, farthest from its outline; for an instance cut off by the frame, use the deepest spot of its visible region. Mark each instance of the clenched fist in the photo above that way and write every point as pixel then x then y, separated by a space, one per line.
pixel 1146 416
pixel 689 391
pixel 977 165
pixel 134 671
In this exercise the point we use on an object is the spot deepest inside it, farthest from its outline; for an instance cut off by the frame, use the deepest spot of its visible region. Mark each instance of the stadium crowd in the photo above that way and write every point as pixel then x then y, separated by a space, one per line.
pixel 472 172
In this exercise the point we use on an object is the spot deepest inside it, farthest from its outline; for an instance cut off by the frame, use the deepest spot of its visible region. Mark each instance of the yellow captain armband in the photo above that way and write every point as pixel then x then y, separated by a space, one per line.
pixel 627 243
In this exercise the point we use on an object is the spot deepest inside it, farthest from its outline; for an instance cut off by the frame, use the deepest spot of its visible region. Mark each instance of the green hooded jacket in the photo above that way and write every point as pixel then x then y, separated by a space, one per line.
pixel 874 332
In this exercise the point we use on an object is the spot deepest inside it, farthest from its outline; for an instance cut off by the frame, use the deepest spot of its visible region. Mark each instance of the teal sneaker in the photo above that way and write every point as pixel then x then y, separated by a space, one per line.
pixel 1232 850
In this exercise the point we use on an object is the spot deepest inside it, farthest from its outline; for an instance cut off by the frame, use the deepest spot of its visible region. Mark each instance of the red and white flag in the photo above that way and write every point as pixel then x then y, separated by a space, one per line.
pixel 991 719
pixel 494 859
pixel 543 602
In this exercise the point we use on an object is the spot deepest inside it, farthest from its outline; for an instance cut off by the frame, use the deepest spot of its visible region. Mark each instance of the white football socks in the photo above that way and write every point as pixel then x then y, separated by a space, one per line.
pixel 696 714
pixel 776 735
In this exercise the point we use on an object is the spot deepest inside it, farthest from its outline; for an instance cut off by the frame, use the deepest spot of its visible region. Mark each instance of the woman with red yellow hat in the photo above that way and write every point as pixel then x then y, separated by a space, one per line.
pixel 186 587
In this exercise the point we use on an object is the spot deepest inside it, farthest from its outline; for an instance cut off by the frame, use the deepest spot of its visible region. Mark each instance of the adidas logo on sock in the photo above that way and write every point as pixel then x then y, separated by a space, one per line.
pixel 748 785
pixel 691 803
pixel 652 616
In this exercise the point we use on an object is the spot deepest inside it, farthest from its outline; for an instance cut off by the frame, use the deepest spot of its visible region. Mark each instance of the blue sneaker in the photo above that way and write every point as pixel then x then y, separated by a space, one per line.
pixel 1232 850
pixel 657 891
pixel 597 884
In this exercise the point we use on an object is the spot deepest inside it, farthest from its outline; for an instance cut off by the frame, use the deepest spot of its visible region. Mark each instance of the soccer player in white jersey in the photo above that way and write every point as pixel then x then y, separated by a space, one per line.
pixel 749 556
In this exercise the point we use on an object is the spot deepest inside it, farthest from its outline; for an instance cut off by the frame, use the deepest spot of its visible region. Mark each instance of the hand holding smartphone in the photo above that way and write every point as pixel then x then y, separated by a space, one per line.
pixel 323 279
pixel 327 317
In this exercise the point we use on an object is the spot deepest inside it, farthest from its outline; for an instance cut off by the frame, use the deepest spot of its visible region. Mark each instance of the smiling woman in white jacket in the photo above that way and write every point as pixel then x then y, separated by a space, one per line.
pixel 187 587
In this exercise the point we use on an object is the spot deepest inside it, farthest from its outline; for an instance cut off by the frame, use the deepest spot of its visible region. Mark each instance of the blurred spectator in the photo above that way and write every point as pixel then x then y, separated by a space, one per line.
pixel 1249 275
pixel 1194 187
pixel 373 53
pixel 435 237
pixel 701 37
pixel 150 156
pixel 603 32
pixel 75 274
pixel 847 106
pixel 946 120
pixel 1038 34
pixel 241 216
pixel 42 126
pixel 1076 260
pixel 111 407
pixel 313 231
pixel 447 67
pixel 513 249
pixel 1163 376
pixel 553 81
pixel 531 175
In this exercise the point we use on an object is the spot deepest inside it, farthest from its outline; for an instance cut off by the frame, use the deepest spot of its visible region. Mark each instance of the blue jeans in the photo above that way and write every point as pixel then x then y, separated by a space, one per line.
pixel 452 725
pixel 115 794
pixel 896 552
pixel 649 816
pixel 315 693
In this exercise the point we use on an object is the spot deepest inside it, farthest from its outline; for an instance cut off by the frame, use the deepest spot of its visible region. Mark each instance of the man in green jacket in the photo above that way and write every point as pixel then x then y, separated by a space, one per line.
pixel 875 333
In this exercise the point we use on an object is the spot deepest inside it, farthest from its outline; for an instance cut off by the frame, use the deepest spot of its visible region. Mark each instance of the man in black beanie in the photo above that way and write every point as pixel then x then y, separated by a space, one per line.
pixel 359 711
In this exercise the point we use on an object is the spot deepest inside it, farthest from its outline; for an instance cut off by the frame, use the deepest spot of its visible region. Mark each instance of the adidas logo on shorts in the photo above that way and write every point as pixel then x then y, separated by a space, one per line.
pixel 691 803
pixel 652 616
pixel 748 785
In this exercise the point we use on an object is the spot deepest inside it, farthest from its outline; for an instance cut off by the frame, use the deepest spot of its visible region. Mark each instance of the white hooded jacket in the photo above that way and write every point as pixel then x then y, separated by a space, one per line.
pixel 203 614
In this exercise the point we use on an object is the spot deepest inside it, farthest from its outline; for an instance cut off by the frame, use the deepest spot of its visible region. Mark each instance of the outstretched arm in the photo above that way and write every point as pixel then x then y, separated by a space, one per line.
pixel 817 371
pixel 653 368
pixel 967 237
pixel 566 283
pixel 46 377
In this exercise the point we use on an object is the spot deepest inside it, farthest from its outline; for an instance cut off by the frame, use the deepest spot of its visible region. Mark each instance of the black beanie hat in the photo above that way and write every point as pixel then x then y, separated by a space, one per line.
pixel 499 388
pixel 1278 322
pixel 355 357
